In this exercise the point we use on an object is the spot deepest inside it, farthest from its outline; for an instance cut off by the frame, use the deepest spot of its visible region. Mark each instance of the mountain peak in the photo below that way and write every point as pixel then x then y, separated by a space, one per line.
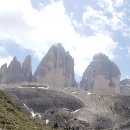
pixel 56 64
pixel 102 76
pixel 100 57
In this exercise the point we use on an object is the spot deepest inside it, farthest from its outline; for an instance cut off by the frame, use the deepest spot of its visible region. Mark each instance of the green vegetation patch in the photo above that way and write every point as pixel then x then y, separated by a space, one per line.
pixel 13 118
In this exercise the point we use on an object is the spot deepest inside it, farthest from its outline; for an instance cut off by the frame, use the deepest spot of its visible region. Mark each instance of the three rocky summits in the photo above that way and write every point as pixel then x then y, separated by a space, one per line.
pixel 15 72
pixel 62 102
pixel 56 68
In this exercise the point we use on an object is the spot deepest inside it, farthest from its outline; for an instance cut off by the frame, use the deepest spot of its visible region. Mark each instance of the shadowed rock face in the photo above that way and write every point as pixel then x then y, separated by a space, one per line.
pixel 56 68
pixel 27 68
pixel 111 111
pixel 102 76
pixel 97 112
pixel 16 73
pixel 13 118
pixel 40 100
pixel 63 118
pixel 3 73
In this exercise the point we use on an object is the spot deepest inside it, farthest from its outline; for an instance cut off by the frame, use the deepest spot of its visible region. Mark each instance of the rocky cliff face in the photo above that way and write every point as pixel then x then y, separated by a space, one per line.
pixel 102 76
pixel 56 68
pixel 3 73
pixel 125 87
pixel 27 68
pixel 16 73
pixel 40 100
pixel 97 112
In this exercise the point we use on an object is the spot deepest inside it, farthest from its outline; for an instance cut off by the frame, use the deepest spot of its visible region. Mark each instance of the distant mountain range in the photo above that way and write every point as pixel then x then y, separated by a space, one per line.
pixel 56 68
pixel 52 96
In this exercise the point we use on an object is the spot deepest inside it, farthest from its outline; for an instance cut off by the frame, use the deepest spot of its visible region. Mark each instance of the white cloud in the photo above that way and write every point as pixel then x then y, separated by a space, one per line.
pixel 128 48
pixel 4 60
pixel 124 76
pixel 38 30
pixel 105 17
pixel 2 49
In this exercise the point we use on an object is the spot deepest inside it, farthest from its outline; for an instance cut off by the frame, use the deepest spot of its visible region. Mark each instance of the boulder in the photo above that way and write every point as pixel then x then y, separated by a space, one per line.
pixel 102 76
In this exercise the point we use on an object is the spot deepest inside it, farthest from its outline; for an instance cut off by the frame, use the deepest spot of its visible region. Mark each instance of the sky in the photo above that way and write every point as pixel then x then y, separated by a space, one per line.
pixel 83 27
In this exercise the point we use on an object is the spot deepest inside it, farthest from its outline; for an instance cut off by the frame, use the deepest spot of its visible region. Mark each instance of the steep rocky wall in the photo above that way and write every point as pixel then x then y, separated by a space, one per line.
pixel 15 72
pixel 56 68
pixel 27 68
pixel 102 76
pixel 40 100
pixel 125 87
pixel 3 73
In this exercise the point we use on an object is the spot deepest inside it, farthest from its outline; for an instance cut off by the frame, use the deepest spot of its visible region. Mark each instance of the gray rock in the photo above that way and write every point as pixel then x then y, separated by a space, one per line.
pixel 125 87
pixel 3 73
pixel 61 118
pixel 101 112
pixel 27 68
pixel 40 100
pixel 102 76
pixel 14 74
pixel 56 68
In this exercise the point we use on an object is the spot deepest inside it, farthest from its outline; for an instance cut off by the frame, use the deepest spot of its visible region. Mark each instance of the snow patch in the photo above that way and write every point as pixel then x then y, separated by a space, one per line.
pixel 89 93
pixel 76 111
pixel 26 106
pixel 47 121
pixel 43 87
pixel 21 87
pixel 66 109
pixel 35 114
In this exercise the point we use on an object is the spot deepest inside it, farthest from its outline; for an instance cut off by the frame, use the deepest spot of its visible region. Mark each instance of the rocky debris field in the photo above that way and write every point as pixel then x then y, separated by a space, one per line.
pixel 75 104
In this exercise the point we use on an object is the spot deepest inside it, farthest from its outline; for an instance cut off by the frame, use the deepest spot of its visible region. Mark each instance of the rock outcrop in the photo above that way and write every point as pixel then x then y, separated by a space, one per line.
pixel 15 72
pixel 27 68
pixel 125 87
pixel 106 112
pixel 40 100
pixel 56 68
pixel 63 118
pixel 3 73
pixel 14 118
pixel 98 112
pixel 102 76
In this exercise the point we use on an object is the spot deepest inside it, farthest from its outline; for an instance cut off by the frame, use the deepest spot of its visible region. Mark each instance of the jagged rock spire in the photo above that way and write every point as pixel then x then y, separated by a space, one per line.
pixel 56 68
pixel 102 76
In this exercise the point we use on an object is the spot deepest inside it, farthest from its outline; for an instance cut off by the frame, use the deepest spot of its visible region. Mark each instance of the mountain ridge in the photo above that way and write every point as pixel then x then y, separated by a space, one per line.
pixel 59 64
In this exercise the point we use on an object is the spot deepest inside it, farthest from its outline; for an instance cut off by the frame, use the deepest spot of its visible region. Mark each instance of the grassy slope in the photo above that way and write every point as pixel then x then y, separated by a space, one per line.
pixel 12 118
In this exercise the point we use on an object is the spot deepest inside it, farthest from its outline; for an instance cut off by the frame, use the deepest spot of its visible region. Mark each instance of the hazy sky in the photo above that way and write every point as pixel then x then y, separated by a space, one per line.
pixel 84 27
